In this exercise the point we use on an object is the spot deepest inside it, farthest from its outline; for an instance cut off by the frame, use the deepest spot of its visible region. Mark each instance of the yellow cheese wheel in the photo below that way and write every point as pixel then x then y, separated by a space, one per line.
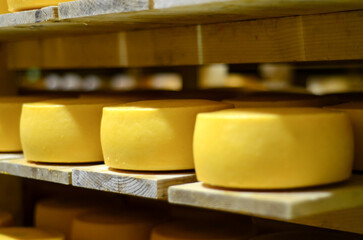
pixel 152 135
pixel 20 5
pixel 115 226
pixel 10 111
pixel 180 230
pixel 306 235
pixel 274 148
pixel 6 219
pixel 58 214
pixel 3 6
pixel 63 130
pixel 271 100
pixel 29 233
pixel 355 112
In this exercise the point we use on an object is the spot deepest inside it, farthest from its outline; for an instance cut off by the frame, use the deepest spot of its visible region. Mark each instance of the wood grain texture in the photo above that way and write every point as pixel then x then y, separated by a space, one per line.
pixel 45 172
pixel 148 185
pixel 29 17
pixel 5 156
pixel 283 205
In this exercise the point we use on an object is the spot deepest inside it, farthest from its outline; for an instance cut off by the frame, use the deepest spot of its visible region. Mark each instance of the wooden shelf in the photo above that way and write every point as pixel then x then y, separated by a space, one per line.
pixel 142 184
pixel 5 156
pixel 338 206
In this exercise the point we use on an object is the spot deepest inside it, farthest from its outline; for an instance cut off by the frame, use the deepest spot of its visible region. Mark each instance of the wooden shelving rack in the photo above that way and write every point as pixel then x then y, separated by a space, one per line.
pixel 190 32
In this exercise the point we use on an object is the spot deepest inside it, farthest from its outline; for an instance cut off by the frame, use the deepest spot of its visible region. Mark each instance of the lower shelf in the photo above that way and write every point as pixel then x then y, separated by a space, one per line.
pixel 297 206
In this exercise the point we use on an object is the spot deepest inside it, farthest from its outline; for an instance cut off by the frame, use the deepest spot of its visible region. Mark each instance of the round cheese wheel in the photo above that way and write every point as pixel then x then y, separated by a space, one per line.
pixel 10 112
pixel 201 231
pixel 305 235
pixel 354 110
pixel 277 101
pixel 6 219
pixel 29 233
pixel 152 135
pixel 115 226
pixel 58 214
pixel 273 148
pixel 63 130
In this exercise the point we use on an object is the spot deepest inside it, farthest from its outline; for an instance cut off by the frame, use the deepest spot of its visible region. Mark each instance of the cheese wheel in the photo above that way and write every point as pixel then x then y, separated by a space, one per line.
pixel 306 235
pixel 20 5
pixel 6 219
pixel 201 231
pixel 276 101
pixel 115 226
pixel 63 130
pixel 152 135
pixel 273 148
pixel 354 110
pixel 3 6
pixel 29 233
pixel 58 214
pixel 10 112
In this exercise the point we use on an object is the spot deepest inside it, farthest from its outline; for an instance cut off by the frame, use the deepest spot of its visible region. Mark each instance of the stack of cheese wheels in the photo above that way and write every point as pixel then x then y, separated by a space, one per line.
pixel 63 130
pixel 10 112
pixel 152 135
pixel 58 214
pixel 116 226
pixel 354 110
pixel 29 233
pixel 306 235
pixel 182 230
pixel 6 219
pixel 271 100
pixel 273 148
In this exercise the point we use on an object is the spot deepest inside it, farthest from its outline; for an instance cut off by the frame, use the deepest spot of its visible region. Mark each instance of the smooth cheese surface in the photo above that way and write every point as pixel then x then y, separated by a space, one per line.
pixel 116 226
pixel 6 219
pixel 273 148
pixel 20 5
pixel 180 230
pixel 63 130
pixel 306 235
pixel 4 6
pixel 58 214
pixel 152 135
pixel 10 112
pixel 355 112
pixel 29 233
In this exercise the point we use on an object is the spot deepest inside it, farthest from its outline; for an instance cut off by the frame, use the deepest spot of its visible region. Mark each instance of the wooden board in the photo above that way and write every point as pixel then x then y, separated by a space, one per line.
pixel 143 184
pixel 281 205
pixel 5 156
pixel 45 172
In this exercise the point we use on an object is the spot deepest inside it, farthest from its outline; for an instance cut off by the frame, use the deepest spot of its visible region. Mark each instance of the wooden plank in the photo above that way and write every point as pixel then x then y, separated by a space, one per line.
pixel 5 156
pixel 29 17
pixel 282 205
pixel 143 184
pixel 45 172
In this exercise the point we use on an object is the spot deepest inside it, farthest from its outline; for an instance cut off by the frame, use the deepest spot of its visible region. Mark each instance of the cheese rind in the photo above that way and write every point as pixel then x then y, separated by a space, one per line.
pixel 273 148
pixel 29 233
pixel 115 226
pixel 63 131
pixel 152 135
pixel 201 231
pixel 354 110
pixel 58 214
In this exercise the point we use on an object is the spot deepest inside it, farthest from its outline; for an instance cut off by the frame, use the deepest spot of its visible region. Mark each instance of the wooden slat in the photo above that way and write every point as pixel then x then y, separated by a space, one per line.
pixel 283 205
pixel 148 185
pixel 5 156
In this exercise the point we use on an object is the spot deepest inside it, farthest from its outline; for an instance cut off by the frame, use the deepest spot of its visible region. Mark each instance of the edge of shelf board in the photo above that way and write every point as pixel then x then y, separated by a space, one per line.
pixel 280 205
pixel 143 184
pixel 5 156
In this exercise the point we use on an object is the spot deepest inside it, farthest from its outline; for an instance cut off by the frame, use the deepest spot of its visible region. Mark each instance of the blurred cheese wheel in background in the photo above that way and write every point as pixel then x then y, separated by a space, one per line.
pixel 354 110
pixel 58 214
pixel 10 112
pixel 186 230
pixel 6 219
pixel 276 148
pixel 63 130
pixel 152 135
pixel 29 233
pixel 116 226
pixel 307 235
